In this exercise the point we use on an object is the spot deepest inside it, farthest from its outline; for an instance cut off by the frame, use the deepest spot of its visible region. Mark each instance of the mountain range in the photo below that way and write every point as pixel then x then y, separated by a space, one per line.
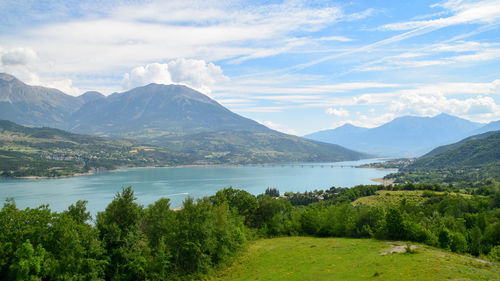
pixel 406 136
pixel 175 117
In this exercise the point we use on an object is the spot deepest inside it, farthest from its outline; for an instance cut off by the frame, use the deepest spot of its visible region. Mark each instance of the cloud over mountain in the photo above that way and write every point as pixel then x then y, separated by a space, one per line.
pixel 196 74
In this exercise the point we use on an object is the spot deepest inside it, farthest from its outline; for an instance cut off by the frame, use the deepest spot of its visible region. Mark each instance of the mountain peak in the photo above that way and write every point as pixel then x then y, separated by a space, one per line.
pixel 444 115
pixel 91 96
pixel 348 126
pixel 7 77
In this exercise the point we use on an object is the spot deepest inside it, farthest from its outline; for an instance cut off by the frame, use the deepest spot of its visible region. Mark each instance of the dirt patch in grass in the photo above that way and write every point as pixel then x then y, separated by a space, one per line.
pixel 398 249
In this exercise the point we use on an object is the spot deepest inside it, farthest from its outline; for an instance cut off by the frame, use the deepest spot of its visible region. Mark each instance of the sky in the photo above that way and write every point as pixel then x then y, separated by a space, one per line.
pixel 295 66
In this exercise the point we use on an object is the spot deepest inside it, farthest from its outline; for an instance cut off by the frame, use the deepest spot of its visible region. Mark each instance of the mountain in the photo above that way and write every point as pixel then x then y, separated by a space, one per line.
pixel 173 116
pixel 403 136
pixel 26 151
pixel 473 159
pixel 444 148
pixel 492 126
pixel 155 110
pixel 34 105
pixel 338 135
pixel 475 151
pixel 244 147
pixel 90 96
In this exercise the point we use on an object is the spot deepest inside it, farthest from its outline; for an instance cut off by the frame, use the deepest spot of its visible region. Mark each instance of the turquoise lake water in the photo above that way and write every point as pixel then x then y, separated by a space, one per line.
pixel 150 184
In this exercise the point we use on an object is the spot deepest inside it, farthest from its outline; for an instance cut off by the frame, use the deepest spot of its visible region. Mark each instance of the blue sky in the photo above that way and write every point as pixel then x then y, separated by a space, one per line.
pixel 296 66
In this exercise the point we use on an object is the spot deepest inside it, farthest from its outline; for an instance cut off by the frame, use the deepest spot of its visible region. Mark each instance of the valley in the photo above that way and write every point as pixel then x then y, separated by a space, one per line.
pixel 284 140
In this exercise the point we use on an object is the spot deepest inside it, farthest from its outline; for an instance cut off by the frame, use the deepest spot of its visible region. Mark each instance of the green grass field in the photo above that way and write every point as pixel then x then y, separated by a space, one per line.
pixel 394 197
pixel 306 258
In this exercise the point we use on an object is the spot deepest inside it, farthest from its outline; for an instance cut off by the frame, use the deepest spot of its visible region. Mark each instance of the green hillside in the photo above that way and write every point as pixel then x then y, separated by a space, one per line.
pixel 242 147
pixel 473 159
pixel 444 148
pixel 307 258
pixel 28 151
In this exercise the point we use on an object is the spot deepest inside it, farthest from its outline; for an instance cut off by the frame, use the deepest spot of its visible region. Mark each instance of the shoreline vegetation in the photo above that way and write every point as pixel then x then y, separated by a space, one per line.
pixel 128 241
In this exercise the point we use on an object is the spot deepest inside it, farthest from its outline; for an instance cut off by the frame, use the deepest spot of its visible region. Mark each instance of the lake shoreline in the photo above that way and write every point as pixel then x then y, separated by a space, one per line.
pixel 92 172
pixel 99 188
pixel 383 181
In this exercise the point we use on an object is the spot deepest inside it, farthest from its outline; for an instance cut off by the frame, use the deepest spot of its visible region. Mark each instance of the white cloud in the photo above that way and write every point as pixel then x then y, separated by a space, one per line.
pixel 277 127
pixel 429 105
pixel 272 51
pixel 374 121
pixel 460 52
pixel 64 85
pixel 18 56
pixel 335 38
pixel 268 87
pixel 196 74
pixel 367 121
pixel 23 62
pixel 338 112
pixel 260 109
pixel 130 35
pixel 464 12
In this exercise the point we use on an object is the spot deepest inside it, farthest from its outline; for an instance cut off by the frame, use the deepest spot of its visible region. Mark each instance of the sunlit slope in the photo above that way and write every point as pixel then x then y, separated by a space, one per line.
pixel 305 258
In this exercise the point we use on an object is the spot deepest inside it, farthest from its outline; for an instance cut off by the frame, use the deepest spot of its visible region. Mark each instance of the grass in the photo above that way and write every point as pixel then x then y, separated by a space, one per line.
pixel 394 197
pixel 307 258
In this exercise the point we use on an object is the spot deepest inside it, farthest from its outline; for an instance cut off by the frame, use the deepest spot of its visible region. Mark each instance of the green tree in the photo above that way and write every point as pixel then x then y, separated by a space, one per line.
pixel 29 263
pixel 394 224
pixel 125 244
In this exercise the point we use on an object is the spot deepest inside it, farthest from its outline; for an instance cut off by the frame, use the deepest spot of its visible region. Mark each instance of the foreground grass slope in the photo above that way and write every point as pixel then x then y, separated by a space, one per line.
pixel 306 258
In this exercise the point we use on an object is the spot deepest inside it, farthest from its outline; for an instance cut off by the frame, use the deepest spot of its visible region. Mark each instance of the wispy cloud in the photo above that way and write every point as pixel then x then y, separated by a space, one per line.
pixel 463 12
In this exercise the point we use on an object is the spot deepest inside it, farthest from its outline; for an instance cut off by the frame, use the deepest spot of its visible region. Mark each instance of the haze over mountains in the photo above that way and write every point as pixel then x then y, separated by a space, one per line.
pixel 407 136
pixel 173 116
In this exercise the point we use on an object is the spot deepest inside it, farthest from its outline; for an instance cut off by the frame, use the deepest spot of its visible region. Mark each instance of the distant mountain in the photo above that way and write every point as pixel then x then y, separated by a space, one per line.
pixel 34 105
pixel 341 134
pixel 155 110
pixel 91 96
pixel 492 126
pixel 403 136
pixel 173 116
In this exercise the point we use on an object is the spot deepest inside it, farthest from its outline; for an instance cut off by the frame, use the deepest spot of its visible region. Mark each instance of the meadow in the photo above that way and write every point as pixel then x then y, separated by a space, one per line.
pixel 308 258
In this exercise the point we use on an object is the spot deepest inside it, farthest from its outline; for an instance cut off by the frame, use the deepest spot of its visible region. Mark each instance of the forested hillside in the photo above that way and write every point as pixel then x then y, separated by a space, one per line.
pixel 51 152
pixel 473 159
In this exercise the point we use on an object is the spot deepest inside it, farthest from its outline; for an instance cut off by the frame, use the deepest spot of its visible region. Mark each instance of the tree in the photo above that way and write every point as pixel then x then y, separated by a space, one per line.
pixel 239 201
pixel 394 224
pixel 29 263
pixel 159 226
pixel 458 243
pixel 124 243
pixel 444 238
pixel 273 192
pixel 79 211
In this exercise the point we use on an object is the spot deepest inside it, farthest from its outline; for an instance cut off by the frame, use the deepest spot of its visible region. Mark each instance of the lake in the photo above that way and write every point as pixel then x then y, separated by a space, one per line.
pixel 150 184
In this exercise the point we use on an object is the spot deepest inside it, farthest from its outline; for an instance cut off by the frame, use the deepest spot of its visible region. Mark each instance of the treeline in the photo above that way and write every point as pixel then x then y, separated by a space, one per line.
pixel 462 176
pixel 130 242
